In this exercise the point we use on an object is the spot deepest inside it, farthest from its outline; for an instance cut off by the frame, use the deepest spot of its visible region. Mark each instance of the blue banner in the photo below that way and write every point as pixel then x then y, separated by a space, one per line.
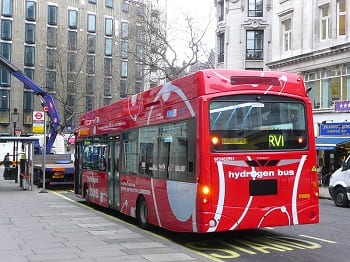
pixel 335 129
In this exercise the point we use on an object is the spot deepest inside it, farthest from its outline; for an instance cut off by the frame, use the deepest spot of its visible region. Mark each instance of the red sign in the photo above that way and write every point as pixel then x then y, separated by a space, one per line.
pixel 38 115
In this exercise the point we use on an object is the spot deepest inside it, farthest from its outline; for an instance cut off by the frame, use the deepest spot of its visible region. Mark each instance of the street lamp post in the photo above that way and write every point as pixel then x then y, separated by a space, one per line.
pixel 15 118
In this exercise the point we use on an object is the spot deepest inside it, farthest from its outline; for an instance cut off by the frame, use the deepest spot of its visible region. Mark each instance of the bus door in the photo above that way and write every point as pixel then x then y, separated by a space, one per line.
pixel 78 168
pixel 113 171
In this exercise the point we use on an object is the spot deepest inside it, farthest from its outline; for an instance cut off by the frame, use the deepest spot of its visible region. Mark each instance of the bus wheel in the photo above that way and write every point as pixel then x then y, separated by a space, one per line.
pixel 340 197
pixel 142 213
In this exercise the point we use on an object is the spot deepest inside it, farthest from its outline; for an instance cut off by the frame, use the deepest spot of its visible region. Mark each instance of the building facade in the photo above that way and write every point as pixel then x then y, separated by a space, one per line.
pixel 243 34
pixel 311 38
pixel 84 53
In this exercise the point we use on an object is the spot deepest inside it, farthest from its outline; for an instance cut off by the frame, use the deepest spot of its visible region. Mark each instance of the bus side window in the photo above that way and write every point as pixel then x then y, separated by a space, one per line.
pixel 130 152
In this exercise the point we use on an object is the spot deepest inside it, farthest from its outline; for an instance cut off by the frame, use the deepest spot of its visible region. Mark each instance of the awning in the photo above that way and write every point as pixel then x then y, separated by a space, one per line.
pixel 329 143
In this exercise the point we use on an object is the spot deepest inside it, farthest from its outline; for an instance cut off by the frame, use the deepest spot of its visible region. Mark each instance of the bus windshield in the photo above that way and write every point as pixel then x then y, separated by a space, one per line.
pixel 252 122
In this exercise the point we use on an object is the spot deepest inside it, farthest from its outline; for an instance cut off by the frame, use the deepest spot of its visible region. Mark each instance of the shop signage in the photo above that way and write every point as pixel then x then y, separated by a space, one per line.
pixel 335 129
pixel 342 106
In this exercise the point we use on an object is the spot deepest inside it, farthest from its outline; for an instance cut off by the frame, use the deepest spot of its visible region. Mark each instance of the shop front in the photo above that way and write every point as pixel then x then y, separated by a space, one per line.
pixel 332 145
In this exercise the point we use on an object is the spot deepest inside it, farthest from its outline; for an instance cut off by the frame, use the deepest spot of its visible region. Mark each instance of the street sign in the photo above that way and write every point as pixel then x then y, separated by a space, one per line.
pixel 38 122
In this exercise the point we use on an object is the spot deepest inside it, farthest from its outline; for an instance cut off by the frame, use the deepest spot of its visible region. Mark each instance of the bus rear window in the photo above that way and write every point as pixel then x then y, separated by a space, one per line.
pixel 257 123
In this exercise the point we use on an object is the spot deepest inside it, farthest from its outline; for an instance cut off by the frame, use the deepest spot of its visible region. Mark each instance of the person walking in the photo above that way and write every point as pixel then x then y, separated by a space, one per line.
pixel 7 164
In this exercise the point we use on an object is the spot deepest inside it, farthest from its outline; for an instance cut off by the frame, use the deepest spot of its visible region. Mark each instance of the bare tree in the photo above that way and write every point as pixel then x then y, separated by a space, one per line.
pixel 170 50
pixel 69 64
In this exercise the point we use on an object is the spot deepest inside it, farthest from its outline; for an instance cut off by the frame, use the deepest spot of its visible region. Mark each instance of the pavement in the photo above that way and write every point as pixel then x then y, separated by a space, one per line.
pixel 37 226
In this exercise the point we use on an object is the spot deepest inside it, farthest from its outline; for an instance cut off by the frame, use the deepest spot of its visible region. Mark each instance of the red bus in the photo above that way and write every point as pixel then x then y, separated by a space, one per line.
pixel 216 150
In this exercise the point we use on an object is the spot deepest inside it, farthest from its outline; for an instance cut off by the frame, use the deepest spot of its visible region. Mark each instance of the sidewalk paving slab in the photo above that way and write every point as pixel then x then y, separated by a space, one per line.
pixel 38 226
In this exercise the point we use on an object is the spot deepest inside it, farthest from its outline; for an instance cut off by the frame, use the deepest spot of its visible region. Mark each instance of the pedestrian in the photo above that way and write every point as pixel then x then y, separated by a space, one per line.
pixel 324 173
pixel 7 161
pixel 7 164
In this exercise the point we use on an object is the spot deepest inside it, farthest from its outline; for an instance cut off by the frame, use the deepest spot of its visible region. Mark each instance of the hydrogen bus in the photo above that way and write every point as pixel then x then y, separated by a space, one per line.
pixel 216 150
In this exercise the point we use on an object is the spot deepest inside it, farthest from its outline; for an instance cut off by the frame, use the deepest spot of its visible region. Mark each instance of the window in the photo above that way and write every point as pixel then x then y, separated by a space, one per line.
pixel 108 26
pixel 139 52
pixel 29 73
pixel 324 28
pixel 108 66
pixel 255 8
pixel 30 10
pixel 124 49
pixel 125 6
pixel 51 58
pixel 221 10
pixel 124 69
pixel 242 124
pixel 72 40
pixel 72 19
pixel 139 33
pixel 287 34
pixel 92 1
pixel 7 8
pixel 91 24
pixel 108 46
pixel 341 14
pixel 161 151
pixel 28 106
pixel 138 87
pixel 71 62
pixel 70 110
pixel 89 103
pixel 90 83
pixel 175 154
pixel 131 154
pixel 107 101
pixel 330 87
pixel 123 92
pixel 4 107
pixel 52 15
pixel 90 64
pixel 6 29
pixel 109 3
pixel 30 33
pixel 148 157
pixel 91 43
pixel 124 30
pixel 51 80
pixel 29 55
pixel 107 86
pixel 139 71
pixel 221 45
pixel 51 36
pixel 255 42
pixel 140 9
pixel 5 51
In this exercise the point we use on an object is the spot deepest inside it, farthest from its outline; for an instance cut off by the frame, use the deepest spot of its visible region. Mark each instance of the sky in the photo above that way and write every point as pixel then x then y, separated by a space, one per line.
pixel 202 12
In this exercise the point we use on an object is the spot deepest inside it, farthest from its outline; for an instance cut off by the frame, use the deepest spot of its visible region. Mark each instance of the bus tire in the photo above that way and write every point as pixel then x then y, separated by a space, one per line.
pixel 340 197
pixel 142 213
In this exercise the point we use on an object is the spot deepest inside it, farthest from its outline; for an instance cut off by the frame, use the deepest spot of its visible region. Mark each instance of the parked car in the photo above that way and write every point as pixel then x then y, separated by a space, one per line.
pixel 339 185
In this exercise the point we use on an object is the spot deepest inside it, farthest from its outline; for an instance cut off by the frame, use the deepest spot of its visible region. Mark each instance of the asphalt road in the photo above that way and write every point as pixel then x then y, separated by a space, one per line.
pixel 326 241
